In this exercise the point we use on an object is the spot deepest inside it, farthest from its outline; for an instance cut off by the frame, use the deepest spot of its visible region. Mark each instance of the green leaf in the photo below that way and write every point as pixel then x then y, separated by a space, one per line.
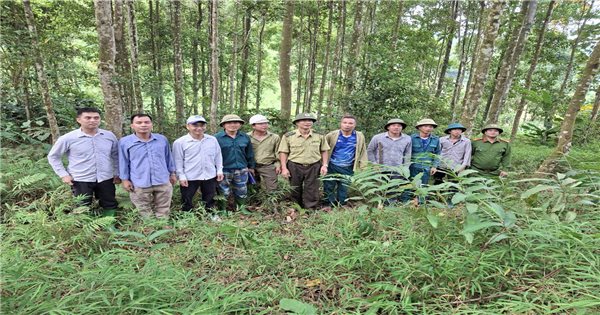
pixel 537 189
pixel 497 238
pixel 458 198
pixel 298 307
pixel 159 246
pixel 433 220
pixel 157 234
pixel 126 243
pixel 437 204
pixel 472 207
pixel 570 216
pixel 130 233
pixel 509 219
pixel 468 237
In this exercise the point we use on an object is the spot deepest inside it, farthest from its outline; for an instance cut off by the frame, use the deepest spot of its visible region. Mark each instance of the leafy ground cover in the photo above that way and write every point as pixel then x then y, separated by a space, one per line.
pixel 522 246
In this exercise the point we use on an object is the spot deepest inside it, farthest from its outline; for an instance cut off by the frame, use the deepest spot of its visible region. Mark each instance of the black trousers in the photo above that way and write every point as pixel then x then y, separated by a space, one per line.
pixel 104 191
pixel 208 189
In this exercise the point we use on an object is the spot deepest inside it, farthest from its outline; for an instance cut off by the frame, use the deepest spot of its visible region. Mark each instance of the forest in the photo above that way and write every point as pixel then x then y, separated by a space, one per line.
pixel 528 243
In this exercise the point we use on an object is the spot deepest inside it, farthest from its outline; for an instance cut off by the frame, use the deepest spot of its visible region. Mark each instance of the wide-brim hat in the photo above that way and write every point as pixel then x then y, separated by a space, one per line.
pixel 395 121
pixel 195 119
pixel 304 116
pixel 492 126
pixel 455 126
pixel 231 118
pixel 258 119
pixel 426 121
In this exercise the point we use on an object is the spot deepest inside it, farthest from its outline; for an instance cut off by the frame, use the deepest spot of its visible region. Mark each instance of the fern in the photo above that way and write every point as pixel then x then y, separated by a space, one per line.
pixel 28 181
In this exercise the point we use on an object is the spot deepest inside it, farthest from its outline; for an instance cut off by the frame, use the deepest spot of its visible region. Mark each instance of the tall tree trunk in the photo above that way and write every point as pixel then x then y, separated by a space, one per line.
pixel 178 64
pixel 245 56
pixel 154 12
pixel 396 30
pixel 39 68
pixel 214 47
pixel 233 62
pixel 195 55
pixel 461 67
pixel 259 58
pixel 566 129
pixel 534 61
pixel 122 64
pixel 482 66
pixel 113 106
pixel 133 41
pixel 326 59
pixel 480 27
pixel 337 57
pixel 153 94
pixel 354 50
pixel 284 61
pixel 594 115
pixel 300 71
pixel 308 92
pixel 449 40
pixel 512 61
pixel 27 101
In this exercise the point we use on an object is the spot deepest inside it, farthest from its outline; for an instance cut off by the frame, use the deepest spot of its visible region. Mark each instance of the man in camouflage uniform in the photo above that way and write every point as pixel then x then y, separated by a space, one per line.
pixel 303 156
pixel 491 155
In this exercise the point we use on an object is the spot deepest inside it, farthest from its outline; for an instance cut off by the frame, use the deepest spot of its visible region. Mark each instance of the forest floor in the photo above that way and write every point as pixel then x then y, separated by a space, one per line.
pixel 520 246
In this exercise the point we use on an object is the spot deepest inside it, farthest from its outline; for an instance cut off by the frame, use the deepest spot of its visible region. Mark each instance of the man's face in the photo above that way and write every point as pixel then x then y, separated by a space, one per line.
pixel 304 123
pixel 492 133
pixel 89 120
pixel 196 129
pixel 261 127
pixel 232 126
pixel 456 133
pixel 395 128
pixel 141 124
pixel 426 129
pixel 348 124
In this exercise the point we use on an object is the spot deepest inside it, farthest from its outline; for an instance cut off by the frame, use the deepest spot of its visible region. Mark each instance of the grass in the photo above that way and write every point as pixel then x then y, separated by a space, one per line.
pixel 264 263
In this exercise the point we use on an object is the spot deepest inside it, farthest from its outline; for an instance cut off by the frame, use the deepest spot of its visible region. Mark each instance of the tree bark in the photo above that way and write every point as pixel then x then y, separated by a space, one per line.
pixel 259 58
pixel 245 56
pixel 461 67
pixel 396 30
pixel 113 106
pixel 300 67
pixel 484 56
pixel 195 54
pixel 122 64
pixel 214 40
pixel 512 61
pixel 308 92
pixel 449 40
pixel 354 49
pixel 594 115
pixel 337 57
pixel 284 61
pixel 480 27
pixel 534 61
pixel 39 68
pixel 326 61
pixel 566 130
pixel 154 11
pixel 178 64
pixel 233 62
pixel 133 41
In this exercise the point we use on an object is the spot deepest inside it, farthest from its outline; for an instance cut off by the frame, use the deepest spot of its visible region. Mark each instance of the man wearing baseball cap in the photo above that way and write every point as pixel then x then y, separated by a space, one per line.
pixel 238 158
pixel 199 164
pixel 491 155
pixel 265 144
pixel 455 154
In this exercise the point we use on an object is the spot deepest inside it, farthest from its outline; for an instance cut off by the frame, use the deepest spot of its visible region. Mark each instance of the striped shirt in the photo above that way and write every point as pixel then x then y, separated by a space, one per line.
pixel 455 154
pixel 90 158
pixel 197 159
pixel 391 152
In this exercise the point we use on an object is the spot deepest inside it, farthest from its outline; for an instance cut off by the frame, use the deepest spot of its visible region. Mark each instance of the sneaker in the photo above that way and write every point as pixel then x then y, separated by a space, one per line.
pixel 215 218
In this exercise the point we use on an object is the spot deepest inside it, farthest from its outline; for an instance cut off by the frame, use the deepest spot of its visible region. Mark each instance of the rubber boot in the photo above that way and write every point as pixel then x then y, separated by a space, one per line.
pixel 110 213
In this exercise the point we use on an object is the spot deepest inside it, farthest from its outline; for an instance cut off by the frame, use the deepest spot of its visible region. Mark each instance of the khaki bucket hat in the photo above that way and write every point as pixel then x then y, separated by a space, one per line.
pixel 231 118
pixel 426 121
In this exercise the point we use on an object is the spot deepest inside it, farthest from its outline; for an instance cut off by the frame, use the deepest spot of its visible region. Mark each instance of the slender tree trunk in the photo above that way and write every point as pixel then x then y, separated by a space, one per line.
pixel 133 41
pixel 284 61
pixel 153 96
pixel 233 62
pixel 461 68
pixel 566 130
pixel 326 61
pixel 245 56
pixel 300 71
pixel 534 61
pixel 122 64
pixel 178 63
pixel 594 114
pixel 214 47
pixel 449 40
pixel 337 57
pixel 512 61
pixel 475 90
pixel 261 33
pixel 312 64
pixel 195 55
pixel 113 106
pixel 480 27
pixel 27 101
pixel 354 50
pixel 154 11
pixel 396 30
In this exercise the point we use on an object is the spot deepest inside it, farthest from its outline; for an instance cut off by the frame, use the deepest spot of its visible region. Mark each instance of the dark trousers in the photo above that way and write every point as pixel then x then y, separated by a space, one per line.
pixel 336 188
pixel 103 191
pixel 439 176
pixel 304 180
pixel 208 189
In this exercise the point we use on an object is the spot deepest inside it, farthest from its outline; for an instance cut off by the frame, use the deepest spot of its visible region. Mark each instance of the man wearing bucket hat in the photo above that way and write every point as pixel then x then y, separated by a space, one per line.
pixel 303 155
pixel 392 147
pixel 491 155
pixel 265 145
pixel 199 164
pixel 456 152
pixel 238 158
pixel 425 150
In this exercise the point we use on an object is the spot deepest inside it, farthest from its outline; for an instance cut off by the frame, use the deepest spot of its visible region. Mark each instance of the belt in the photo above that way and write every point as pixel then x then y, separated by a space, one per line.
pixel 263 165
pixel 304 164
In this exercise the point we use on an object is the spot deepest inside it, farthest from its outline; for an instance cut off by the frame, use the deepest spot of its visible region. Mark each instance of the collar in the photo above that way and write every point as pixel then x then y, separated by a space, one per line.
pixel 351 134
pixel 387 135
pixel 138 139
pixel 298 134
pixel 189 138
pixel 80 133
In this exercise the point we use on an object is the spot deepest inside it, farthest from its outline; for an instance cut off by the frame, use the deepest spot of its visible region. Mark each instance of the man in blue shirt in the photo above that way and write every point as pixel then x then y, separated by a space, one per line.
pixel 425 151
pixel 348 154
pixel 147 168
pixel 238 158
pixel 92 155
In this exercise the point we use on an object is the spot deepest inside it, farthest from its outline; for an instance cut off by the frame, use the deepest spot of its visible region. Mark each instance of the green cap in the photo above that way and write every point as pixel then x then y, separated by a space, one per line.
pixel 304 116
pixel 455 126
pixel 395 121
pixel 492 126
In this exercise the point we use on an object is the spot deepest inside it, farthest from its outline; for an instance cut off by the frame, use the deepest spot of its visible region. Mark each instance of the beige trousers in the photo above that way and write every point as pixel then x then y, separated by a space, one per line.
pixel 157 197
pixel 267 177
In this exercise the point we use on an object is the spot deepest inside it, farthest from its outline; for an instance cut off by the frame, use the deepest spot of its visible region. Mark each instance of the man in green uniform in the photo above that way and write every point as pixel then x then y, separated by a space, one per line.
pixel 265 145
pixel 303 156
pixel 491 155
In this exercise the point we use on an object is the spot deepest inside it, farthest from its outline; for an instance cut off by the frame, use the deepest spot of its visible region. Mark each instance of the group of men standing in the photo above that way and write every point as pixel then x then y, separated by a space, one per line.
pixel 148 167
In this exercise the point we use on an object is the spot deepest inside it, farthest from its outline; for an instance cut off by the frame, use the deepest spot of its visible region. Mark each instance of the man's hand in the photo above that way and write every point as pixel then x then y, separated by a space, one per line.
pixel 67 180
pixel 220 177
pixel 432 171
pixel 323 170
pixel 116 180
pixel 127 185
pixel 285 173
pixel 503 174
pixel 183 183
pixel 173 179
pixel 277 170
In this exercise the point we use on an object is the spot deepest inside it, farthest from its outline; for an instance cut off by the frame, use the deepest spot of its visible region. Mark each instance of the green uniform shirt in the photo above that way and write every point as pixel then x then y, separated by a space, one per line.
pixel 265 150
pixel 303 150
pixel 490 157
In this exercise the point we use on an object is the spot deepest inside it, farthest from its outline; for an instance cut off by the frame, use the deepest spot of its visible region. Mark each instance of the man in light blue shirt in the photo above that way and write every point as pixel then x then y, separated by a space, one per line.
pixel 147 168
pixel 199 164
pixel 92 160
